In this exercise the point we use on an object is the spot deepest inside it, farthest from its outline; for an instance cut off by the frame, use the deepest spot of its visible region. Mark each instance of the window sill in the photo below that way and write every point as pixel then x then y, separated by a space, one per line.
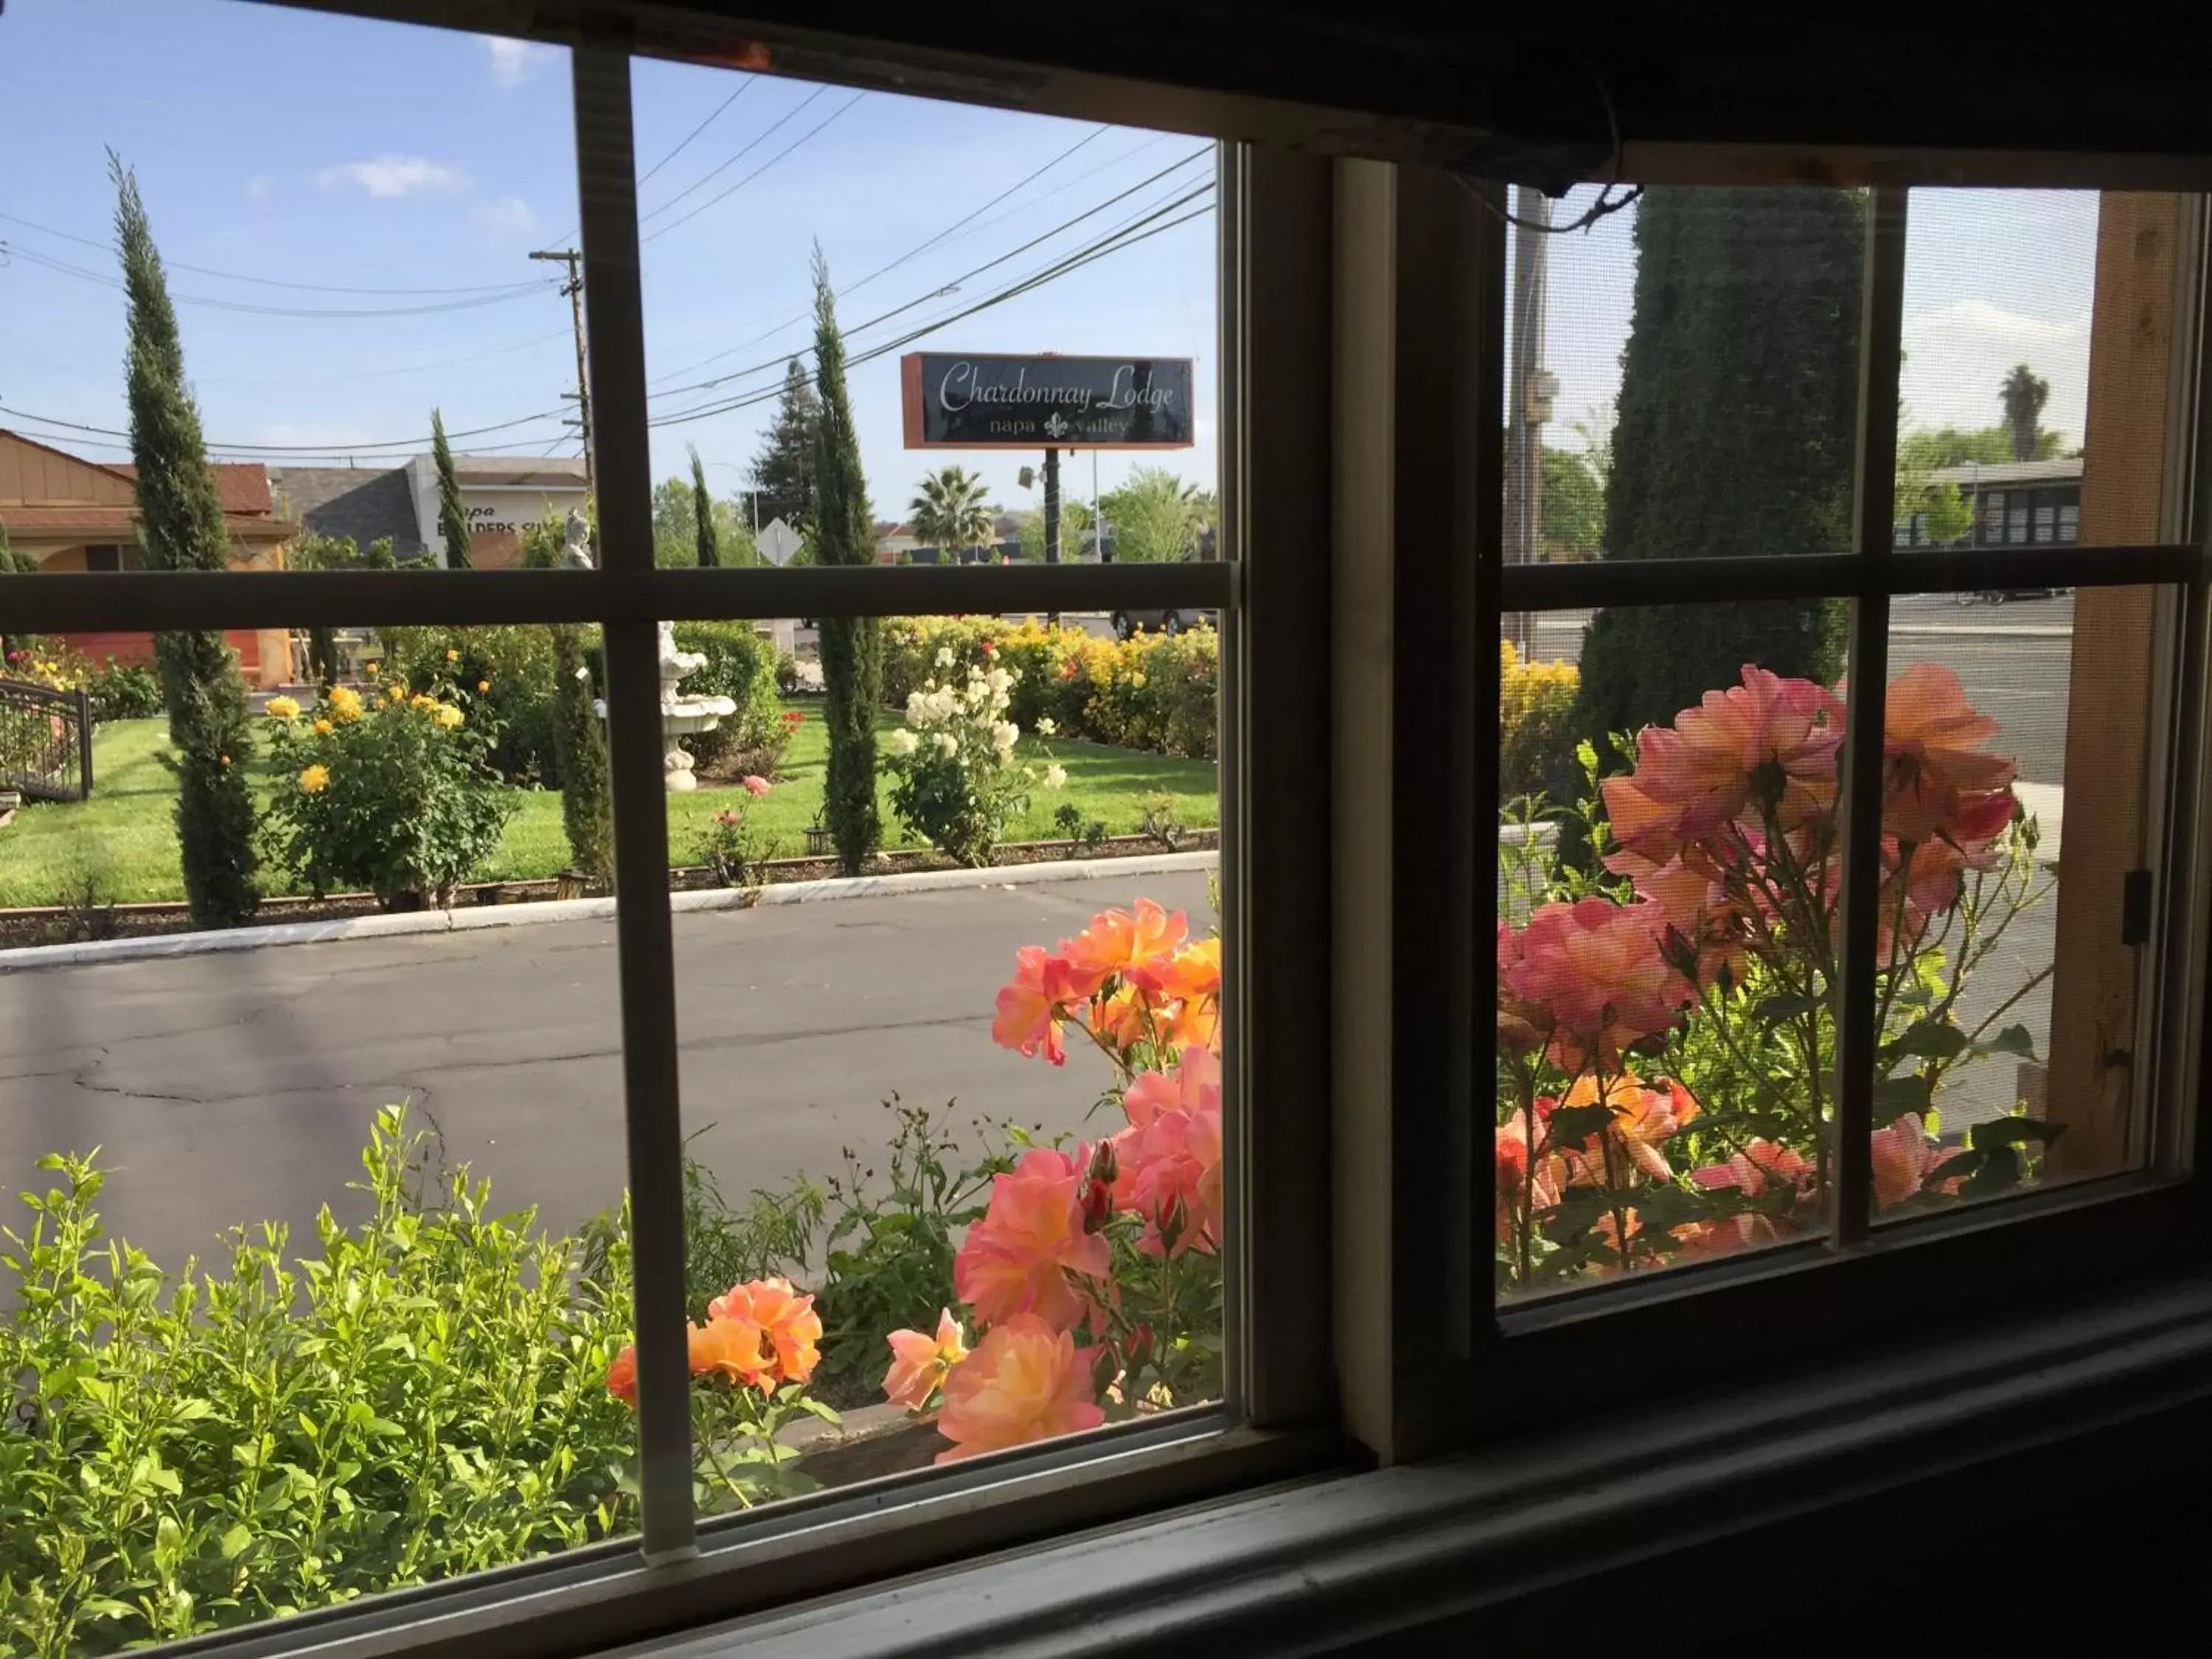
pixel 1334 1563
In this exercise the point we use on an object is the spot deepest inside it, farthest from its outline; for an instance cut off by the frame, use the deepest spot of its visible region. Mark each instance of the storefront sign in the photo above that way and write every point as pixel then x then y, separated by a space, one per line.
pixel 959 402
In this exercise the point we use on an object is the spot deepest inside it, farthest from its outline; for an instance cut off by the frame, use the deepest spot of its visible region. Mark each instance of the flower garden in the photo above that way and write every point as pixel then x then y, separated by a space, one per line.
pixel 1666 1038
pixel 1130 725
pixel 446 1386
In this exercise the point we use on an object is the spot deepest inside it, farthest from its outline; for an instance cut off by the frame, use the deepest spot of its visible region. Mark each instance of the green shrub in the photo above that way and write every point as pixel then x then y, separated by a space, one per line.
pixel 1151 691
pixel 123 691
pixel 740 665
pixel 509 669
pixel 1536 728
pixel 580 745
pixel 393 794
pixel 426 1396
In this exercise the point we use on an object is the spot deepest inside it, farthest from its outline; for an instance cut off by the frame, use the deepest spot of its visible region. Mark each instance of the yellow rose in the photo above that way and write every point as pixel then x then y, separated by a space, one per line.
pixel 225 759
pixel 315 779
pixel 423 701
pixel 452 655
pixel 324 728
pixel 284 709
pixel 345 703
pixel 395 691
pixel 372 670
pixel 448 715
pixel 483 686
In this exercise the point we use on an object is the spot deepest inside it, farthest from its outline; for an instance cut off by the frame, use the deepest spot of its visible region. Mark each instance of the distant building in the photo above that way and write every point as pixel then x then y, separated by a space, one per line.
pixel 72 514
pixel 502 496
pixel 362 504
pixel 2015 504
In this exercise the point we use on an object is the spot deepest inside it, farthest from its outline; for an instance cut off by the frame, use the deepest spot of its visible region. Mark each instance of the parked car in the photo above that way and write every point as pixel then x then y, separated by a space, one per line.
pixel 1170 622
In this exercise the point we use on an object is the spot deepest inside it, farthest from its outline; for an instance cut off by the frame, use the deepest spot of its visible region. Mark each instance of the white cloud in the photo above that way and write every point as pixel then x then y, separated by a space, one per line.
pixel 258 187
pixel 389 175
pixel 510 215
pixel 515 62
pixel 1957 354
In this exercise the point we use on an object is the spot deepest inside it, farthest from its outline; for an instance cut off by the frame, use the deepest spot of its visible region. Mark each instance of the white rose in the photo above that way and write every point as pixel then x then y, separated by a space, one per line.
pixel 917 708
pixel 903 742
pixel 944 656
pixel 1000 679
pixel 947 743
pixel 1046 725
pixel 1055 777
pixel 1003 737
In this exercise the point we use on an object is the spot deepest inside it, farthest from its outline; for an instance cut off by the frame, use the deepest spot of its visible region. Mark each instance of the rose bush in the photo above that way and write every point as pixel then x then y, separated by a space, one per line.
pixel 392 791
pixel 1665 1032
pixel 955 780
pixel 1091 1281
pixel 1149 691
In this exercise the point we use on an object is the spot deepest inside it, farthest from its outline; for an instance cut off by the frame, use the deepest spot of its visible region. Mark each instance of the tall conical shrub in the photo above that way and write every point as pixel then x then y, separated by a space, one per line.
pixel 181 527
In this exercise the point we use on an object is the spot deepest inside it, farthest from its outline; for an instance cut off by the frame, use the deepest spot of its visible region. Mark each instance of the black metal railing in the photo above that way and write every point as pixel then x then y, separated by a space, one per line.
pixel 45 742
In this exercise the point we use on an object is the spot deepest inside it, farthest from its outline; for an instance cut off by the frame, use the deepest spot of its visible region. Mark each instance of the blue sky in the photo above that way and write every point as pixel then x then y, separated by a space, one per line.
pixel 1992 277
pixel 316 149
pixel 305 149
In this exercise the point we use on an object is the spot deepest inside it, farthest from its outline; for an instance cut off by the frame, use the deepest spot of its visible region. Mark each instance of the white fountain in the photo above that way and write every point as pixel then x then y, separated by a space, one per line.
pixel 680 715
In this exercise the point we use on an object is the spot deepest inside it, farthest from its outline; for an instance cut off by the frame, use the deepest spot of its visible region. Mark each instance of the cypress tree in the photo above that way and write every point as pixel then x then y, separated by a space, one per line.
pixel 180 528
pixel 702 507
pixel 452 517
pixel 580 738
pixel 783 472
pixel 844 533
pixel 1739 399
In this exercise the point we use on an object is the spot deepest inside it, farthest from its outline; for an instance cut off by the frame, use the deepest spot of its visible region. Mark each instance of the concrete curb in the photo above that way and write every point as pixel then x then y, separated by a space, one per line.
pixel 2018 631
pixel 161 946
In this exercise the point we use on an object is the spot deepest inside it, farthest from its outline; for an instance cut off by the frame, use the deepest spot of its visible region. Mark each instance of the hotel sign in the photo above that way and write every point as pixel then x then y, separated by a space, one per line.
pixel 954 401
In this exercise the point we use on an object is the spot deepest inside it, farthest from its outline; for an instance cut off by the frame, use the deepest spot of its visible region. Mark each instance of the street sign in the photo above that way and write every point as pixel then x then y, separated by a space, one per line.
pixel 777 542
pixel 958 401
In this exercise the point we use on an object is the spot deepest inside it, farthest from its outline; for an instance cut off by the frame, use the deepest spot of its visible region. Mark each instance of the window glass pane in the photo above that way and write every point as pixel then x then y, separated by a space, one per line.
pixel 335 292
pixel 972 1101
pixel 2000 287
pixel 1682 376
pixel 1026 312
pixel 363 1153
pixel 1664 1037
pixel 2010 991
pixel 309 1377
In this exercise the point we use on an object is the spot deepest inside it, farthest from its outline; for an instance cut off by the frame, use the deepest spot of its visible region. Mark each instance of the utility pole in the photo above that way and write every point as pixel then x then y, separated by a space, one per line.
pixel 1528 398
pixel 574 289
pixel 1051 516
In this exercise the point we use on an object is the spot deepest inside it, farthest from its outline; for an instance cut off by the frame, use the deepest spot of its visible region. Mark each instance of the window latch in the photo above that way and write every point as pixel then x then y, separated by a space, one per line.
pixel 2134 908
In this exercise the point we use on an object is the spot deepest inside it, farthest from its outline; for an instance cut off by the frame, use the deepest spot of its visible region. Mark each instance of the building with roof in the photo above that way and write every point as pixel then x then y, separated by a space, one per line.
pixel 2016 503
pixel 72 514
pixel 502 496
pixel 364 505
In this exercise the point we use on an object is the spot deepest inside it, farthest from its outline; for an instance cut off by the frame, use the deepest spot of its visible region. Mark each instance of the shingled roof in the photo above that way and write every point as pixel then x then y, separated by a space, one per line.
pixel 364 503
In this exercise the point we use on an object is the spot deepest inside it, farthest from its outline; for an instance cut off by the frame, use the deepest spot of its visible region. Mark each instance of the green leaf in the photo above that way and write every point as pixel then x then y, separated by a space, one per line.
pixel 1571 1126
pixel 1894 1096
pixel 2012 1040
pixel 2012 1132
pixel 1933 1038
pixel 236 1540
pixel 1773 1009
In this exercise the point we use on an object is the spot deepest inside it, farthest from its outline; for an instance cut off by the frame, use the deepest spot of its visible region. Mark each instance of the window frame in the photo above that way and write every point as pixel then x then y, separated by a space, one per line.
pixel 1274 1421
pixel 1813 1301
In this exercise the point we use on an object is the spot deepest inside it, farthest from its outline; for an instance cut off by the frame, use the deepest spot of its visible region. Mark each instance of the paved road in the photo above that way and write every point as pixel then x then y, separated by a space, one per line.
pixel 2014 660
pixel 239 1086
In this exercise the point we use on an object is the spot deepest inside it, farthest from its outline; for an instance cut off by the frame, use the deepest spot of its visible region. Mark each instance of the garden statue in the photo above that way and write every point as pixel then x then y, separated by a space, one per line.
pixel 577 542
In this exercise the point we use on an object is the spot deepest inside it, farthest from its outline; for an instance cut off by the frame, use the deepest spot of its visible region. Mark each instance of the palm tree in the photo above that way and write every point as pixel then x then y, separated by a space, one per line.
pixel 950 513
pixel 2024 394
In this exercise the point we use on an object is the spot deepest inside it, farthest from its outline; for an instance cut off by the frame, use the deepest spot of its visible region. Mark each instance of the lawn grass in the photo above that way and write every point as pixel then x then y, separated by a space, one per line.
pixel 126 836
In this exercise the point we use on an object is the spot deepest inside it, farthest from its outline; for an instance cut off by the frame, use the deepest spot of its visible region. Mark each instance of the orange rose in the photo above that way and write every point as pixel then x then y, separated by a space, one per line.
pixel 1024 1382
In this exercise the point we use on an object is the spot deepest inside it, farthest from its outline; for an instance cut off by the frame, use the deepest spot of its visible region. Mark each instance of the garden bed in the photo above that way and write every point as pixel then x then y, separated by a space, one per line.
pixel 64 925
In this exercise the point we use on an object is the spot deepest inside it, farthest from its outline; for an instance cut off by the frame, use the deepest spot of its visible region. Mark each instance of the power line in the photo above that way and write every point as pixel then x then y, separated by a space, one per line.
pixel 31 256
pixel 743 87
pixel 1114 241
pixel 721 195
pixel 920 248
pixel 405 444
pixel 268 282
pixel 757 139
pixel 956 281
